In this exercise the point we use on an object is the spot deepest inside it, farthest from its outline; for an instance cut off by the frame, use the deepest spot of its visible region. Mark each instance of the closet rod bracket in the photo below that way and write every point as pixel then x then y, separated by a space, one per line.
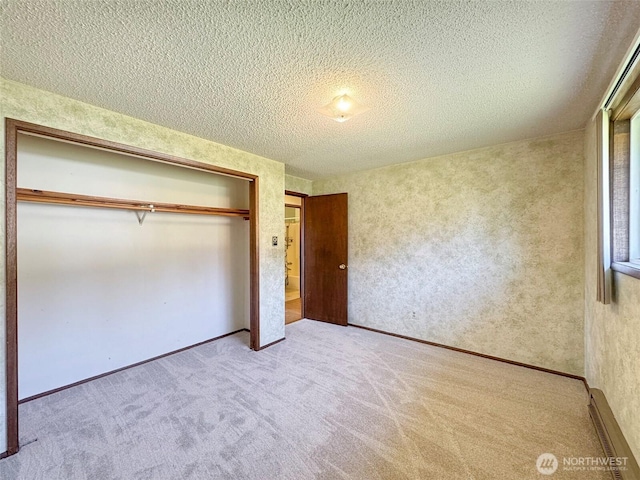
pixel 142 215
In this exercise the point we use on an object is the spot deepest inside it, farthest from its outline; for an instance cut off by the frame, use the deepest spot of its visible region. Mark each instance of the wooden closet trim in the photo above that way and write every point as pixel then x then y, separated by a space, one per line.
pixel 48 132
pixel 12 129
pixel 77 200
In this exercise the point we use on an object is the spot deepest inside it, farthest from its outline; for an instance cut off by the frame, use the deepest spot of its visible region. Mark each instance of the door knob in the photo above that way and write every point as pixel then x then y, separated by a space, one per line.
pixel 342 266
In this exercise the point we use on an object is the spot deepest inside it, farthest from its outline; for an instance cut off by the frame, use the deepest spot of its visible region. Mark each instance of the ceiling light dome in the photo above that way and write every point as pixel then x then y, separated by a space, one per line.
pixel 342 108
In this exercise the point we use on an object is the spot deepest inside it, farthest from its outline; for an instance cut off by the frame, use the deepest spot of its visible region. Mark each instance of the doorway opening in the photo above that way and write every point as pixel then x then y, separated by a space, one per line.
pixel 292 297
pixel 293 261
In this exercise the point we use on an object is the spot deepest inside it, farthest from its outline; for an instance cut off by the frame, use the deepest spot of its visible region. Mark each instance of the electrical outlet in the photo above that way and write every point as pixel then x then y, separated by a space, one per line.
pixel 274 241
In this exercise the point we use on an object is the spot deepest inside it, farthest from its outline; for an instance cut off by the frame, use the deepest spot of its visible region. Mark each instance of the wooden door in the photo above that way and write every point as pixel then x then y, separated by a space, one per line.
pixel 325 258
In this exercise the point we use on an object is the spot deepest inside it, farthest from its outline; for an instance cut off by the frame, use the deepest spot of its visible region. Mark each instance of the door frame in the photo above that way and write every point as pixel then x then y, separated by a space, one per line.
pixel 302 197
pixel 12 129
pixel 308 235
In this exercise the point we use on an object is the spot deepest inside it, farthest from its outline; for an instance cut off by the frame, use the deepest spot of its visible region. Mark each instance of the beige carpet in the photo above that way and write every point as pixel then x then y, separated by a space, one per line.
pixel 328 403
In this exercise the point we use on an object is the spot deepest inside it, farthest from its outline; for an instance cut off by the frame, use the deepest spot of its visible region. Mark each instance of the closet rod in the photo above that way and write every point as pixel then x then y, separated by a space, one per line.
pixel 43 196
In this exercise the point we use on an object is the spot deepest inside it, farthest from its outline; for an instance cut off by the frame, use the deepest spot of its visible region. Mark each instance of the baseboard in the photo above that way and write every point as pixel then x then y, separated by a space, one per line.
pixel 611 437
pixel 96 377
pixel 270 344
pixel 490 357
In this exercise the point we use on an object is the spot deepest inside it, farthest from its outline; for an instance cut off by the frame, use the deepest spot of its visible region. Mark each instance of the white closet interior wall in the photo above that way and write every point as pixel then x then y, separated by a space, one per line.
pixel 97 291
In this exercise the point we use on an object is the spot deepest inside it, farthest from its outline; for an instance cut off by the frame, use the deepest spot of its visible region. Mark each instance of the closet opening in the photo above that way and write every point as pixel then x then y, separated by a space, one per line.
pixel 116 255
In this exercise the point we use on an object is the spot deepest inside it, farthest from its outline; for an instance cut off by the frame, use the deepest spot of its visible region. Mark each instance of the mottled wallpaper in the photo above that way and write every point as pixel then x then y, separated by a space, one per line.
pixel 612 332
pixel 297 184
pixel 481 250
pixel 26 103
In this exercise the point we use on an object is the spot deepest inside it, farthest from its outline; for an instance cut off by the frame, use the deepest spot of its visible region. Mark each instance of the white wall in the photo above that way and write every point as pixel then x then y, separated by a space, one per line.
pixel 96 290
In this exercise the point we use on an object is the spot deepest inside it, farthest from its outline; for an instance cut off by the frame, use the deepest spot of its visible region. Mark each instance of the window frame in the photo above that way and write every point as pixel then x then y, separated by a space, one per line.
pixel 624 175
pixel 634 189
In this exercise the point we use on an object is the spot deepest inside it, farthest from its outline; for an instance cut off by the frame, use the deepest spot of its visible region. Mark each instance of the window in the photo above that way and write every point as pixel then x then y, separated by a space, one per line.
pixel 634 190
pixel 624 171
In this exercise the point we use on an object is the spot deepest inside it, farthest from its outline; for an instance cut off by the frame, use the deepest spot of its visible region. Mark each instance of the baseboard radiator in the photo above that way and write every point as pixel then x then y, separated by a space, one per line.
pixel 613 442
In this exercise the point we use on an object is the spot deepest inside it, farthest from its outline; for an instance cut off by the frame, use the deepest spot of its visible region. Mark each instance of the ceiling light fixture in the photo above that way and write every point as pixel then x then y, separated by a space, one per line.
pixel 342 108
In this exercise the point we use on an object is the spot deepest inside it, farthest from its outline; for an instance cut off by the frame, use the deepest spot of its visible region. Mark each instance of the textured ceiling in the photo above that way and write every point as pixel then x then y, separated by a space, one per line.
pixel 439 77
